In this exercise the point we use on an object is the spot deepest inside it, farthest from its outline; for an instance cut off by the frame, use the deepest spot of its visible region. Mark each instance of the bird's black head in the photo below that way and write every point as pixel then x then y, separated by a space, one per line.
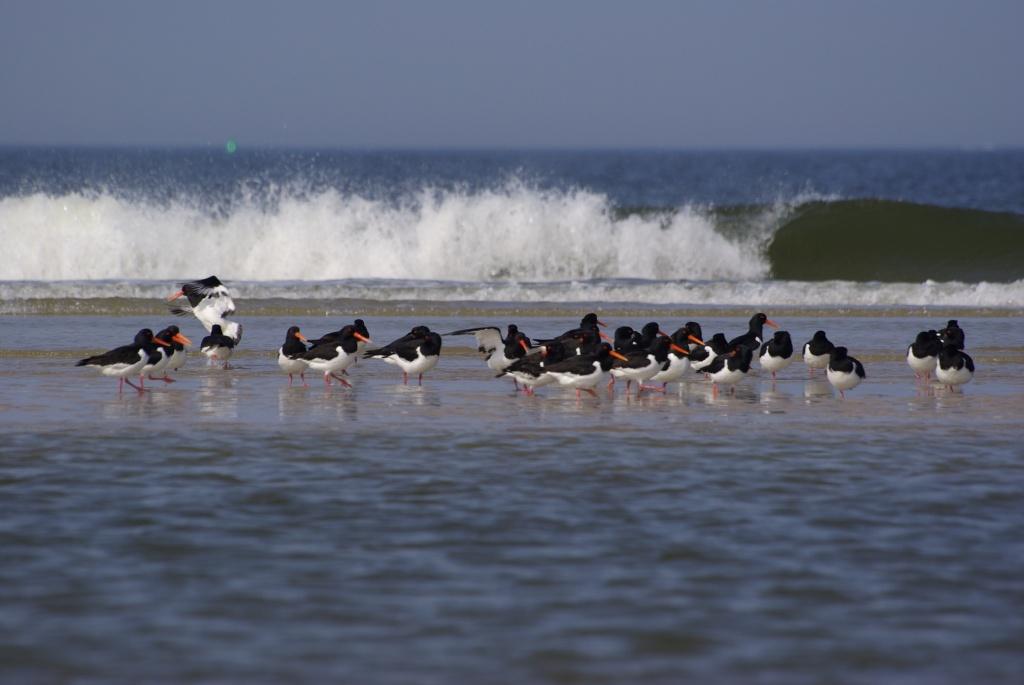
pixel 144 336
pixel 419 331
pixel 719 343
pixel 838 353
pixel 589 320
pixel 781 336
pixel 210 282
pixel 512 330
pixel 952 324
pixel 694 328
pixel 361 327
pixel 819 336
pixel 623 337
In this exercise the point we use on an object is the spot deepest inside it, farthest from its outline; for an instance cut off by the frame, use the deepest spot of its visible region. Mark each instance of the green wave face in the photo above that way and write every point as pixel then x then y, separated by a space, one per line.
pixel 879 240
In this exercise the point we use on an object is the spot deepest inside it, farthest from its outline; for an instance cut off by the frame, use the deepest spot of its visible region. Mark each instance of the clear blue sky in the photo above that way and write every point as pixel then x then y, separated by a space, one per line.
pixel 513 74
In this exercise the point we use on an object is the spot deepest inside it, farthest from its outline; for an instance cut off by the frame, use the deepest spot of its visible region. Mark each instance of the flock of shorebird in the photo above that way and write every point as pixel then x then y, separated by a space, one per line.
pixel 579 359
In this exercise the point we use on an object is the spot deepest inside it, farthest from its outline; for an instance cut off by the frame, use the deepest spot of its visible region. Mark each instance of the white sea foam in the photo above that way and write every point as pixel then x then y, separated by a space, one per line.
pixel 515 233
pixel 16 297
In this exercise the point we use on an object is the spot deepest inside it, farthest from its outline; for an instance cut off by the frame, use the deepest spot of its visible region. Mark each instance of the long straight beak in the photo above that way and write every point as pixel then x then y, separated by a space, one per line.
pixel 680 350
pixel 180 338
pixel 619 356
pixel 175 296
pixel 693 338
pixel 359 336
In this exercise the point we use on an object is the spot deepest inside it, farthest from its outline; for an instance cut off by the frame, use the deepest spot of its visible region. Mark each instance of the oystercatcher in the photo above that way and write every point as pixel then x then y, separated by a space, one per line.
pixel 844 372
pixel 816 352
pixel 777 353
pixel 923 354
pixel 127 360
pixel 955 366
pixel 290 355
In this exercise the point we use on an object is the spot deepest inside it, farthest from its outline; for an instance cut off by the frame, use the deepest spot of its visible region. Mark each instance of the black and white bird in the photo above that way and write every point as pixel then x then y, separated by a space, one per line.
pixel 643 365
pixel 844 372
pixel 531 370
pixel 160 358
pixel 923 354
pixel 754 336
pixel 817 352
pixel 686 338
pixel 777 353
pixel 290 355
pixel 414 356
pixel 211 303
pixel 952 334
pixel 498 351
pixel 331 358
pixel 178 352
pixel 584 372
pixel 955 367
pixel 704 355
pixel 217 347
pixel 730 368
pixel 126 361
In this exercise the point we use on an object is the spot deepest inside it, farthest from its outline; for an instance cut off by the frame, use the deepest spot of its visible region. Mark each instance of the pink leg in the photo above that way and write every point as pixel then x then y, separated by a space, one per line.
pixel 141 390
pixel 420 382
pixel 289 380
pixel 405 378
pixel 611 383
pixel 342 381
pixel 327 378
pixel 591 391
pixel 577 393
pixel 302 375
pixel 120 386
pixel 142 382
pixel 714 390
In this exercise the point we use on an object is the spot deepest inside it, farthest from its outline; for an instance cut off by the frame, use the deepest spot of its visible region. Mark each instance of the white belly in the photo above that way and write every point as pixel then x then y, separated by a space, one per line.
pixel 776 364
pixel 676 368
pixel 289 365
pixel 571 380
pixel 815 361
pixel 843 381
pixel 727 376
pixel 921 364
pixel 420 364
pixel 953 376
pixel 336 365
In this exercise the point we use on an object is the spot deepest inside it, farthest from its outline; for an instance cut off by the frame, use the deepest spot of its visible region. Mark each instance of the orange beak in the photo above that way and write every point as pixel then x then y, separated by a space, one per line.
pixel 522 344
pixel 693 338
pixel 300 336
pixel 771 323
pixel 619 356
pixel 602 323
pixel 605 336
pixel 175 296
pixel 663 333
pixel 158 341
pixel 359 336
pixel 179 338
pixel 677 348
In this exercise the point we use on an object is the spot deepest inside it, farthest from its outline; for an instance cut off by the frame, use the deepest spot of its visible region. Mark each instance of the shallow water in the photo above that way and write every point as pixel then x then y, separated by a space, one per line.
pixel 229 528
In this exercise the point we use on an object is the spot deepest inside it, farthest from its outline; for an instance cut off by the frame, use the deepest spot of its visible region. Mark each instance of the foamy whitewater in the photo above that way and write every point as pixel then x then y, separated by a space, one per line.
pixel 499 240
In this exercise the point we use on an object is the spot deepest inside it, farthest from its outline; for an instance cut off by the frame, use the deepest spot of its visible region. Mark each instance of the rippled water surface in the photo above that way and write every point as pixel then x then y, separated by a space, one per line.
pixel 228 528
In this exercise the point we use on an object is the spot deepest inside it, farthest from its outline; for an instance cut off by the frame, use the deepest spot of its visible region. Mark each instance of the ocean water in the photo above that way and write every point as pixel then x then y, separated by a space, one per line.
pixel 230 528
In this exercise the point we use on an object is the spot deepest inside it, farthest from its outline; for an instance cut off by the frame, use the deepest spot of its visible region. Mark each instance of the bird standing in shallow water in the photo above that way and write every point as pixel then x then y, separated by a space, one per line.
pixel 817 351
pixel 955 367
pixel 289 355
pixel 923 354
pixel 127 360
pixel 777 353
pixel 844 372
pixel 216 346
